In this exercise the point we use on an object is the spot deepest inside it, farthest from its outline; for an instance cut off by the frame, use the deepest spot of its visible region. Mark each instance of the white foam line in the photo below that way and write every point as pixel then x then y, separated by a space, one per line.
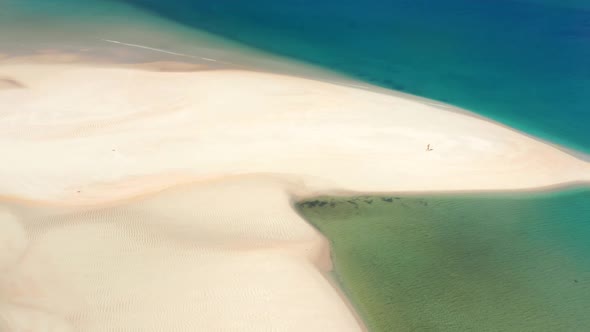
pixel 358 86
pixel 162 51
pixel 438 105
pixel 149 48
pixel 348 84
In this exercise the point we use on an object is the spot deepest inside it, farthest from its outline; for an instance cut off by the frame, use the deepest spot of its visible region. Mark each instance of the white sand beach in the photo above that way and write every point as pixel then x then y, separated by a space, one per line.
pixel 135 199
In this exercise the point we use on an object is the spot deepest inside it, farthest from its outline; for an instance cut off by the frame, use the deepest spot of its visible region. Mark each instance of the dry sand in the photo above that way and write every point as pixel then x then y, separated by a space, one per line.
pixel 214 257
pixel 79 142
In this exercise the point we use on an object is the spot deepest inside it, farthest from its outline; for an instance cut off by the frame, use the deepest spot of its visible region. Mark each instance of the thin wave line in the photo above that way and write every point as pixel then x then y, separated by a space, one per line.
pixel 149 48
pixel 162 51
pixel 347 84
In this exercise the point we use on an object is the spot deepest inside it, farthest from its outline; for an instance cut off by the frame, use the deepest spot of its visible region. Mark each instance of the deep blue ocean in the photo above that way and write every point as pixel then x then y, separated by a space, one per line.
pixel 525 63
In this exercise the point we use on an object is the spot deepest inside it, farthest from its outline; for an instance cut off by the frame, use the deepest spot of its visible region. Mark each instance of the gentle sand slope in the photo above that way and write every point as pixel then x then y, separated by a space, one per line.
pixel 219 256
pixel 229 255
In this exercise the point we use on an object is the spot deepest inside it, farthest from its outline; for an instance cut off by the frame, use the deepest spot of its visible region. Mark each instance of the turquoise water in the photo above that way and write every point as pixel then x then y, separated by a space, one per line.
pixel 524 63
pixel 482 262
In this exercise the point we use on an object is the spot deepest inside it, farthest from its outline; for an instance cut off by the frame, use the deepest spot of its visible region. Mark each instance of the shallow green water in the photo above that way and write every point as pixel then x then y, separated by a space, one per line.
pixel 487 262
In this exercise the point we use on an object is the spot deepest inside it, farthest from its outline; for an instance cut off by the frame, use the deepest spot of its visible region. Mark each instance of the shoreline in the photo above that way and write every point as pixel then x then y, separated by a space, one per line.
pixel 333 280
pixel 296 196
pixel 288 67
pixel 278 66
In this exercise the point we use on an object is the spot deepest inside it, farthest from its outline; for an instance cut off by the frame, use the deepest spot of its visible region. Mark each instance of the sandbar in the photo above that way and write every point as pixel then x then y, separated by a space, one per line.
pixel 138 198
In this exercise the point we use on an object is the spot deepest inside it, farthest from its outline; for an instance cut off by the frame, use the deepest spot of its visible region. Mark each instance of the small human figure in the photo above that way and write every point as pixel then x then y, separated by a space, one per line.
pixel 428 148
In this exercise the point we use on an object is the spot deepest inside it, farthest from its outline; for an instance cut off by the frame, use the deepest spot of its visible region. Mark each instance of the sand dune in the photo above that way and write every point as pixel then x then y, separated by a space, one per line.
pixel 227 252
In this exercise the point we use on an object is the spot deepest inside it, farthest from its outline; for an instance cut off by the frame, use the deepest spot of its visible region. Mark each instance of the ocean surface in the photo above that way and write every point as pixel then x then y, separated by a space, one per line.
pixel 479 262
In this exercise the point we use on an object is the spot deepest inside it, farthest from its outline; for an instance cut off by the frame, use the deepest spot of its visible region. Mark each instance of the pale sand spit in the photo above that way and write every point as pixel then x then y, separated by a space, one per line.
pixel 228 252
pixel 75 127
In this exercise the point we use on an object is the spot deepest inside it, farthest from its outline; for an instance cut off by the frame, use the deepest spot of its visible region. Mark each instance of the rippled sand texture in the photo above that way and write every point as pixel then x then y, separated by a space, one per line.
pixel 219 256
